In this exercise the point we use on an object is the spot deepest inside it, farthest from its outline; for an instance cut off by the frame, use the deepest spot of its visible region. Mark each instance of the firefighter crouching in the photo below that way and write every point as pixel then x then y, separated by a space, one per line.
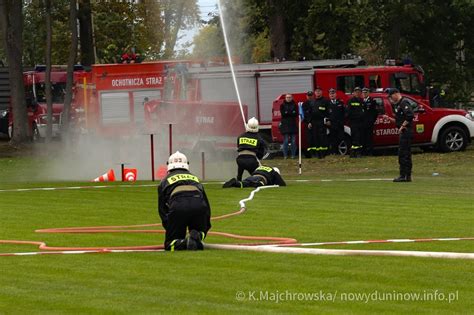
pixel 336 119
pixel 251 148
pixel 183 205
pixel 262 176
pixel 356 116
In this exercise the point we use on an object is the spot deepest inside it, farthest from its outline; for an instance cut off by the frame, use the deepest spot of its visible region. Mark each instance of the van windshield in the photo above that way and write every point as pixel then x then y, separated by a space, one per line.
pixel 407 83
pixel 57 92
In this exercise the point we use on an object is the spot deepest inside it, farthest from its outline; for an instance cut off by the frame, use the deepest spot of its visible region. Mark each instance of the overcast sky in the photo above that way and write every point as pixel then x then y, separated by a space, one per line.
pixel 205 6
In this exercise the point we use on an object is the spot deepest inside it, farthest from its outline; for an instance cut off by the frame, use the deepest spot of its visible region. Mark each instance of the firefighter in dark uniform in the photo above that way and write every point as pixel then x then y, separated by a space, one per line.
pixel 356 116
pixel 403 119
pixel 183 205
pixel 263 176
pixel 319 122
pixel 251 148
pixel 371 114
pixel 336 121
pixel 307 110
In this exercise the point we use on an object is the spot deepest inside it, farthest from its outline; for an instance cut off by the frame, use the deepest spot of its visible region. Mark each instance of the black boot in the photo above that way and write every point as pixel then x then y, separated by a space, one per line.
pixel 230 183
pixel 193 241
pixel 402 179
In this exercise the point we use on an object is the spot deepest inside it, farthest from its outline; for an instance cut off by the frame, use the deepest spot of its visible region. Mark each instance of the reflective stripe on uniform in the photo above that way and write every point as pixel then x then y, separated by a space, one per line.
pixel 264 179
pixel 247 152
pixel 264 168
pixel 184 188
pixel 180 177
pixel 172 245
pixel 249 141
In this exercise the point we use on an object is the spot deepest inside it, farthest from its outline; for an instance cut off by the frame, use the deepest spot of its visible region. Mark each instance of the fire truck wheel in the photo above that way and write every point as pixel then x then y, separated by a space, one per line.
pixel 452 139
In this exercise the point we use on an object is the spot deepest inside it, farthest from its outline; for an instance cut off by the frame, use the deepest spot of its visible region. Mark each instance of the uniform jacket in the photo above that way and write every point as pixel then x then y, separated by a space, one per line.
pixel 289 112
pixel 403 111
pixel 272 177
pixel 251 141
pixel 370 108
pixel 355 110
pixel 319 110
pixel 337 112
pixel 174 179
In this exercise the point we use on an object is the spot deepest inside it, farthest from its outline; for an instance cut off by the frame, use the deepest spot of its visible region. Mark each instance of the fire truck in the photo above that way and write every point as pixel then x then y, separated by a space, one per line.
pixel 35 98
pixel 260 84
pixel 147 98
pixel 446 129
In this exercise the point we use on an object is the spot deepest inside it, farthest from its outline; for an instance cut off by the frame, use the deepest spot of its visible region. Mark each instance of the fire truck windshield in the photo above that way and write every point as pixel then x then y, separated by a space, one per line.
pixel 57 92
pixel 408 83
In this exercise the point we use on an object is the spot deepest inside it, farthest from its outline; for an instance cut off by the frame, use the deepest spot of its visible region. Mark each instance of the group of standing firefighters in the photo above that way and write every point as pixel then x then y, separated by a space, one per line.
pixel 321 114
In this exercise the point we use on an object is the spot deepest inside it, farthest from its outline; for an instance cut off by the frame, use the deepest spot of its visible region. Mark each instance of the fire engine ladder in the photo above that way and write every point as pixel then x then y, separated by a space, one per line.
pixel 283 66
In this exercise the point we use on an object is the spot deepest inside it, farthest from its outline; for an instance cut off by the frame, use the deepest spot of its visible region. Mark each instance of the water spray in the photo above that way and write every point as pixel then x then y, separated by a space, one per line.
pixel 234 79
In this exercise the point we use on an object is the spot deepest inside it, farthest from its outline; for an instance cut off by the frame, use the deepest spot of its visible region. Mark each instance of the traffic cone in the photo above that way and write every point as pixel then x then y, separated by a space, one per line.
pixel 107 177
pixel 130 174
pixel 161 172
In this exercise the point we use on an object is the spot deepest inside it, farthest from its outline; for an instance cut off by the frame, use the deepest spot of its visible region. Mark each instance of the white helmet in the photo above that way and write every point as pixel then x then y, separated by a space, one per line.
pixel 252 125
pixel 178 160
pixel 276 169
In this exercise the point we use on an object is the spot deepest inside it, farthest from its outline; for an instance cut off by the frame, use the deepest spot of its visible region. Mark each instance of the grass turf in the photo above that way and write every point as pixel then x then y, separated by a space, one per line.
pixel 209 281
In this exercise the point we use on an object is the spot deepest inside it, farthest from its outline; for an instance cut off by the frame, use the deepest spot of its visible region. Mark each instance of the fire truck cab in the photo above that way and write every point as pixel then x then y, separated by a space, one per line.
pixel 35 98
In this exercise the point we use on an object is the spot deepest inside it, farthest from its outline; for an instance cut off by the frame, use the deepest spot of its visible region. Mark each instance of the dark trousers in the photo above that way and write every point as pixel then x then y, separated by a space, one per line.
pixel 319 138
pixel 188 211
pixel 368 142
pixel 404 152
pixel 247 163
pixel 357 130
pixel 253 181
pixel 336 135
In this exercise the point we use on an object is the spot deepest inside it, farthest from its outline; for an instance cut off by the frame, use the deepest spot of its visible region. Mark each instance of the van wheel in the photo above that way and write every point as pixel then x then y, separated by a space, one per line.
pixel 344 145
pixel 452 139
pixel 35 135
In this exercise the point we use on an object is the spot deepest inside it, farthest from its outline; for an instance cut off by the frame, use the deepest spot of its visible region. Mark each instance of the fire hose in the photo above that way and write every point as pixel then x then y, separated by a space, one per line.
pixel 264 244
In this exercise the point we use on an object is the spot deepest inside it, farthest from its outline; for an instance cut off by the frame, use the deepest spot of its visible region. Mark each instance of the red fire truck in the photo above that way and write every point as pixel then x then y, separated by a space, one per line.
pixel 143 98
pixel 260 84
pixel 34 82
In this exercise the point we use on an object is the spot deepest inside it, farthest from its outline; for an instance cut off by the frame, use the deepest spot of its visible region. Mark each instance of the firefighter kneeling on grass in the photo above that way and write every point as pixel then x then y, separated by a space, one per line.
pixel 182 205
pixel 250 147
pixel 262 176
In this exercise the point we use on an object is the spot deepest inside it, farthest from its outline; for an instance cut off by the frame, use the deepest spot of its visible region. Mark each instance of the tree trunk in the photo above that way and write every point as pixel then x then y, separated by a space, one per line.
pixel 167 25
pixel 70 66
pixel 86 33
pixel 48 87
pixel 173 36
pixel 11 22
pixel 279 41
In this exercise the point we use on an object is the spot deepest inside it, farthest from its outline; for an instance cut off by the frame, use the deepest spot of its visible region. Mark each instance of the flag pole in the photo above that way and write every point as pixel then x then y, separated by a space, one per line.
pixel 300 110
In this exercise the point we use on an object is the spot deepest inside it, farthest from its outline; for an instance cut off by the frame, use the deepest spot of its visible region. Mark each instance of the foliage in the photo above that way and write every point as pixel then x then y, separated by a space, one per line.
pixel 434 34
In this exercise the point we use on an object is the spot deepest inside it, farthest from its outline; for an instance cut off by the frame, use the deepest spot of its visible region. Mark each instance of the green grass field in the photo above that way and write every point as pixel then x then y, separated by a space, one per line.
pixel 219 281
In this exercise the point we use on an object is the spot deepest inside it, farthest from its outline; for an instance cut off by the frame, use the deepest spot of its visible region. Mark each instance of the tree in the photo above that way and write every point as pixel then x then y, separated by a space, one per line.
pixel 70 64
pixel 86 32
pixel 11 24
pixel 48 85
pixel 177 15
